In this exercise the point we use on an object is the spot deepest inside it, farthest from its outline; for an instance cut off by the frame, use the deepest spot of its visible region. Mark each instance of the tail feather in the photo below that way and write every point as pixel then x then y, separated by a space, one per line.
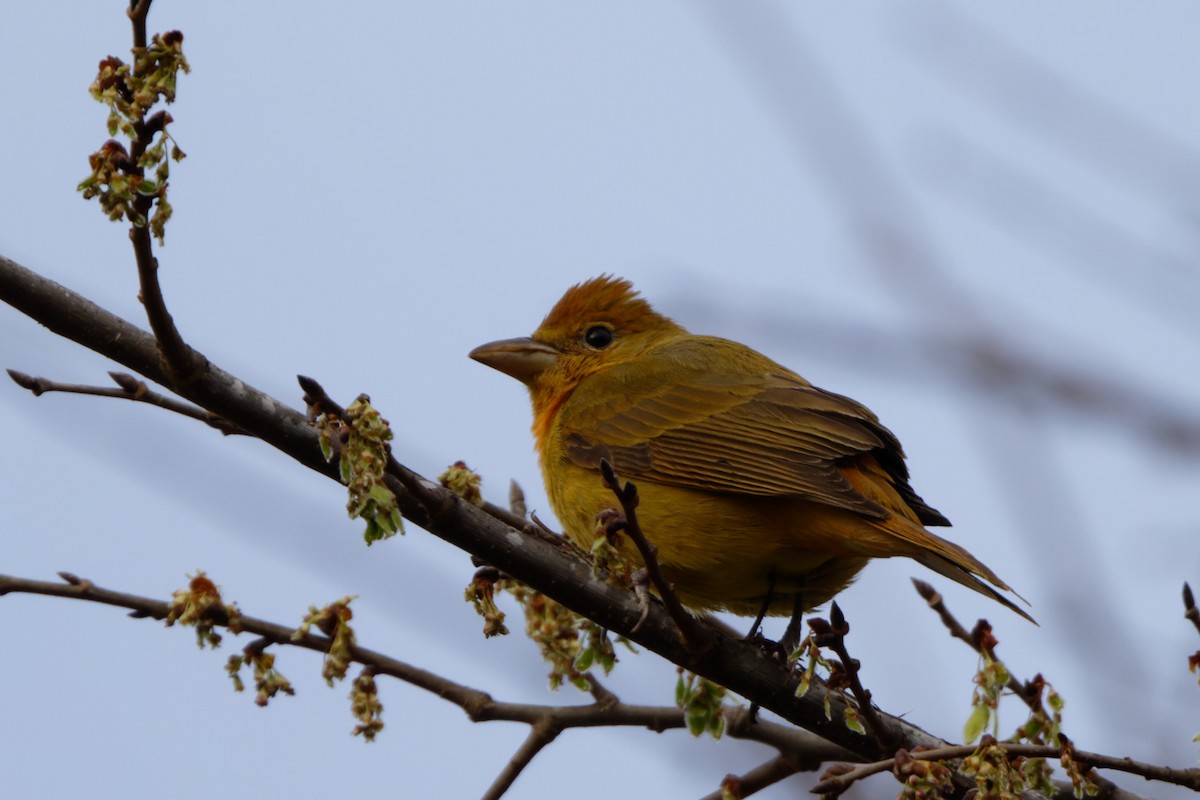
pixel 948 559
pixel 906 535
pixel 958 574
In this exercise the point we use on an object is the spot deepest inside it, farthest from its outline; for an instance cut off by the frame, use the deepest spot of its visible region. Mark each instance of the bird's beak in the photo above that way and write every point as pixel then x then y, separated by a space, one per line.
pixel 523 359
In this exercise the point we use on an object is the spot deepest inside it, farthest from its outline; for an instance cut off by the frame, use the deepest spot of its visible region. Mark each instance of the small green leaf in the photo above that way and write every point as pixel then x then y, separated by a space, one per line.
pixel 381 494
pixel 976 723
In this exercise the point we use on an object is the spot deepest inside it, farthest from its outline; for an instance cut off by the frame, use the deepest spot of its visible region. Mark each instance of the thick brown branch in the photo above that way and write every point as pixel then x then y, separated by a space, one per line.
pixel 76 318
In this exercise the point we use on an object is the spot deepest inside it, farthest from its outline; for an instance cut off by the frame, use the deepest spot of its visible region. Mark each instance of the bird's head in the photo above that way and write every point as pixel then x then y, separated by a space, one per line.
pixel 597 324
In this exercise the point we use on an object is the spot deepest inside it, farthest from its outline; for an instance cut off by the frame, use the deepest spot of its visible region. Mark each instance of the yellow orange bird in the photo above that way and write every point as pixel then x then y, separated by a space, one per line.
pixel 760 490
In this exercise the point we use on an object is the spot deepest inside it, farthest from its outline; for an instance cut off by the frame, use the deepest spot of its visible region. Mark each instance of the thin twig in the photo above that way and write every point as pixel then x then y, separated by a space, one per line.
pixel 181 363
pixel 766 774
pixel 694 635
pixel 516 499
pixel 525 526
pixel 641 590
pixel 599 692
pixel 1027 692
pixel 138 11
pixel 540 734
pixel 1189 606
pixel 129 388
pixel 834 637
pixel 982 642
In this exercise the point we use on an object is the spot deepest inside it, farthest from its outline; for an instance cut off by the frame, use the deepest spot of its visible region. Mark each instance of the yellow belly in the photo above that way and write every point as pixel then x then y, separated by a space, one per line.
pixel 725 551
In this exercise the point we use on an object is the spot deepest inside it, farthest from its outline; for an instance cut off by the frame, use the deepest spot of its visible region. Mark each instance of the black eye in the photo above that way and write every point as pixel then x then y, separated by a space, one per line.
pixel 598 336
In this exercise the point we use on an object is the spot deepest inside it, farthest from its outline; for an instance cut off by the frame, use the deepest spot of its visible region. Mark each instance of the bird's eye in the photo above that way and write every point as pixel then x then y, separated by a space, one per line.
pixel 598 336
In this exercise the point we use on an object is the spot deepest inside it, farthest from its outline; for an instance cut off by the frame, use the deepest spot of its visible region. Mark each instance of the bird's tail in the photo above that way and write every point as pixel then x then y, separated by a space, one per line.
pixel 944 566
pixel 948 559
pixel 903 527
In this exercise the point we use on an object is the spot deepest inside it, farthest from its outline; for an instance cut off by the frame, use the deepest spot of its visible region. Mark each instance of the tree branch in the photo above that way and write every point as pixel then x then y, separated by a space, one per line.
pixel 934 598
pixel 731 663
pixel 1190 611
pixel 766 774
pixel 833 635
pixel 181 363
pixel 807 751
pixel 1029 692
pixel 129 388
pixel 694 635
pixel 541 734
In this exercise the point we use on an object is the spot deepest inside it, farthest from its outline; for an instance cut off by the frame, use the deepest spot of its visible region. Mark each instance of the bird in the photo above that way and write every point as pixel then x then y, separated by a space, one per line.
pixel 762 493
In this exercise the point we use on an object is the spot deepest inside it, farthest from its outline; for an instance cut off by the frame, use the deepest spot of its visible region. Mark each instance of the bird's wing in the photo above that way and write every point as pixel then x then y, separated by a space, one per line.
pixel 767 433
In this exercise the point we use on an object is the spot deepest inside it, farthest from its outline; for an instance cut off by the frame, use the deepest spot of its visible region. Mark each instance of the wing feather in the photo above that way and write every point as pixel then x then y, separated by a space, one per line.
pixel 761 431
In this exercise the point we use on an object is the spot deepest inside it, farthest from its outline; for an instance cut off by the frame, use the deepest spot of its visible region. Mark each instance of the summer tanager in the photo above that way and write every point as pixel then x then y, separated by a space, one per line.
pixel 759 490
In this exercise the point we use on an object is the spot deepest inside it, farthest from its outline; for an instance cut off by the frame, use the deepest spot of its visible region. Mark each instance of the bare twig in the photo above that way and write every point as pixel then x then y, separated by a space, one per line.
pixel 768 773
pixel 1189 607
pixel 1027 692
pixel 599 692
pixel 516 499
pixel 130 388
pixel 833 635
pixel 541 734
pixel 138 11
pixel 694 635
pixel 525 526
